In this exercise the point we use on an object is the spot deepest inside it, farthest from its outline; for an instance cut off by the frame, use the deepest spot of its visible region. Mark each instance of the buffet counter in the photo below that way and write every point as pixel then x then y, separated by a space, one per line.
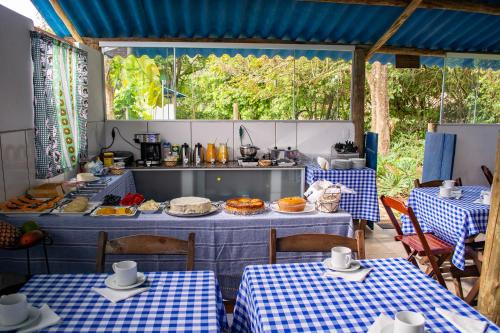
pixel 216 166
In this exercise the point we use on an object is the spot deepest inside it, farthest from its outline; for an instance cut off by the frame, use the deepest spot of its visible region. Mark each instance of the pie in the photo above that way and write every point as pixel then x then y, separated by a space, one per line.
pixel 244 206
pixel 292 204
pixel 190 205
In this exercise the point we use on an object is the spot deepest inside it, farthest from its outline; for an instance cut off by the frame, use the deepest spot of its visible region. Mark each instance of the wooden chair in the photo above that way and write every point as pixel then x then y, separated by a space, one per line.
pixel 487 174
pixel 434 183
pixel 314 243
pixel 436 250
pixel 144 245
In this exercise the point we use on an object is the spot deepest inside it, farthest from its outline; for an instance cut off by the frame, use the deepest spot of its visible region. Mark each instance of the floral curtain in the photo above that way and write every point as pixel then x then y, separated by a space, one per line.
pixel 60 103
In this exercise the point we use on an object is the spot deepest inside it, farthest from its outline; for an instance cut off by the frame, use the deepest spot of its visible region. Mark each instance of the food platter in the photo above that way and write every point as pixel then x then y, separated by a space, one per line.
pixel 310 208
pixel 28 205
pixel 114 211
pixel 213 209
pixel 90 207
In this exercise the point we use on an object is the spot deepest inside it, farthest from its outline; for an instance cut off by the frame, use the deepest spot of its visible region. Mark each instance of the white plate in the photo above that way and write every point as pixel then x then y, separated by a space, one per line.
pixel 390 329
pixel 33 314
pixel 308 209
pixel 212 210
pixel 133 212
pixel 355 265
pixel 91 205
pixel 110 282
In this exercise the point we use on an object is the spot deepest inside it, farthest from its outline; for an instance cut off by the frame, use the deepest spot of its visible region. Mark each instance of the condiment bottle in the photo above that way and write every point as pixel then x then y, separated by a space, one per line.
pixel 108 158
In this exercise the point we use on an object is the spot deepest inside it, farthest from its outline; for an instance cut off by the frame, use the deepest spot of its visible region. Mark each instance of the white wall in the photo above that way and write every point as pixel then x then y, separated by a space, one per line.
pixel 476 145
pixel 17 151
pixel 16 85
pixel 310 137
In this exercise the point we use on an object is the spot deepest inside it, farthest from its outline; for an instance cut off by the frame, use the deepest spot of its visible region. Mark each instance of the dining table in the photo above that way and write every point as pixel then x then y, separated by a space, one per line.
pixel 453 219
pixel 300 297
pixel 175 302
pixel 363 204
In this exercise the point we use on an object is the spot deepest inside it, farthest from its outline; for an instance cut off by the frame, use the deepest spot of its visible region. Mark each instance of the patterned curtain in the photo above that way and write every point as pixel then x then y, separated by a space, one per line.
pixel 60 104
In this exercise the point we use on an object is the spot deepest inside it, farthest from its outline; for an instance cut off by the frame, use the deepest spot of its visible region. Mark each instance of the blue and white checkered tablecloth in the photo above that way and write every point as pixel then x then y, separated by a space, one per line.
pixel 297 298
pixel 175 302
pixel 453 220
pixel 362 205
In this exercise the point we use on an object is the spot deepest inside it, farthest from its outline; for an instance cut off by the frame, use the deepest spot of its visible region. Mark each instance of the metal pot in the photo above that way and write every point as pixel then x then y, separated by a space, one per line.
pixel 248 151
pixel 284 153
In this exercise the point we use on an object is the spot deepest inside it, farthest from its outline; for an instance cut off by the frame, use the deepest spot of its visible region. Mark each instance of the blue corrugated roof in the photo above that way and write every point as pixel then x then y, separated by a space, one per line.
pixel 287 20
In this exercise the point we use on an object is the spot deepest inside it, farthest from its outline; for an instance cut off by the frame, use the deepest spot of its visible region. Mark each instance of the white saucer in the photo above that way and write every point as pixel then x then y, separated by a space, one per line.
pixel 33 314
pixel 110 282
pixel 355 265
pixel 388 328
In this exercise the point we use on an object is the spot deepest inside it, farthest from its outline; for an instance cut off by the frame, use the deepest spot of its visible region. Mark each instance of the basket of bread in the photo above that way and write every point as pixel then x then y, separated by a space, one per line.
pixel 329 199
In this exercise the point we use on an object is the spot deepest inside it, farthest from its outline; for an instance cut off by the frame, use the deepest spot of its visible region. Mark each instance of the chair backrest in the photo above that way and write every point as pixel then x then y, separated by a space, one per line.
pixel 398 205
pixel 144 245
pixel 314 243
pixel 487 174
pixel 434 183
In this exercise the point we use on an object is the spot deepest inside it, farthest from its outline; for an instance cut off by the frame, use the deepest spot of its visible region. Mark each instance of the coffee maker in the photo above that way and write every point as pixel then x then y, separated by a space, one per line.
pixel 150 148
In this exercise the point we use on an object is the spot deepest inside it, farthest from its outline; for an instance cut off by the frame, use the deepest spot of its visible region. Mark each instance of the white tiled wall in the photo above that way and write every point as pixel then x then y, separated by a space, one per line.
pixel 17 159
pixel 176 132
pixel 127 130
pixel 213 131
pixel 286 134
pixel 316 138
pixel 310 137
pixel 15 163
pixel 263 135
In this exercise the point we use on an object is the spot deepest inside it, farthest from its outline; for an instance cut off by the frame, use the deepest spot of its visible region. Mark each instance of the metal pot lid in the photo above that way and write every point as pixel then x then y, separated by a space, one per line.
pixel 249 146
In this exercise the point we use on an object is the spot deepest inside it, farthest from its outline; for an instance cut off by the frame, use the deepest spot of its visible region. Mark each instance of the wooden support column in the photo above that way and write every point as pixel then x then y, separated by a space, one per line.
pixel 358 97
pixel 412 6
pixel 489 292
pixel 67 22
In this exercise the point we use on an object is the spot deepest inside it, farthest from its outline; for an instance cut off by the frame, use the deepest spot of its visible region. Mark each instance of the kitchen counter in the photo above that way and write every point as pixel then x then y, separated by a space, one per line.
pixel 218 166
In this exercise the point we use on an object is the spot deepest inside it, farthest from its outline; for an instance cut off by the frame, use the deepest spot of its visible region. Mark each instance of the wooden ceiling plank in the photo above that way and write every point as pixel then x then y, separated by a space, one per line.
pixel 67 22
pixel 412 6
pixel 457 5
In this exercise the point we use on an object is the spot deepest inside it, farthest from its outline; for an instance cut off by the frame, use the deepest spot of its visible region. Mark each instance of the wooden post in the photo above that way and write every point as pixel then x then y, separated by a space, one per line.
pixel 489 292
pixel 67 22
pixel 236 112
pixel 432 127
pixel 358 97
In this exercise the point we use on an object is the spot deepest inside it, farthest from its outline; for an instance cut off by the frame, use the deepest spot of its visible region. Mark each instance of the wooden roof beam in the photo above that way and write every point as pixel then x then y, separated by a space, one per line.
pixel 457 5
pixel 412 6
pixel 67 22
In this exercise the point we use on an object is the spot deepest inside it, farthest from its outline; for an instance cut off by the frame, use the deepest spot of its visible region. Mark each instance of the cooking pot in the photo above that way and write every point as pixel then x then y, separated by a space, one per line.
pixel 284 153
pixel 248 151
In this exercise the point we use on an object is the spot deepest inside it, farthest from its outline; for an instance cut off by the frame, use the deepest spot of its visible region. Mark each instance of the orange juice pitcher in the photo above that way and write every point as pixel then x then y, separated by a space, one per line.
pixel 211 155
pixel 223 155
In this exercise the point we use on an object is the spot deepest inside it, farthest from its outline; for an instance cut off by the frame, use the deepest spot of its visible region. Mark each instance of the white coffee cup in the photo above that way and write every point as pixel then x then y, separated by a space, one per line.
pixel 486 197
pixel 126 272
pixel 445 192
pixel 409 322
pixel 449 183
pixel 341 257
pixel 13 309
